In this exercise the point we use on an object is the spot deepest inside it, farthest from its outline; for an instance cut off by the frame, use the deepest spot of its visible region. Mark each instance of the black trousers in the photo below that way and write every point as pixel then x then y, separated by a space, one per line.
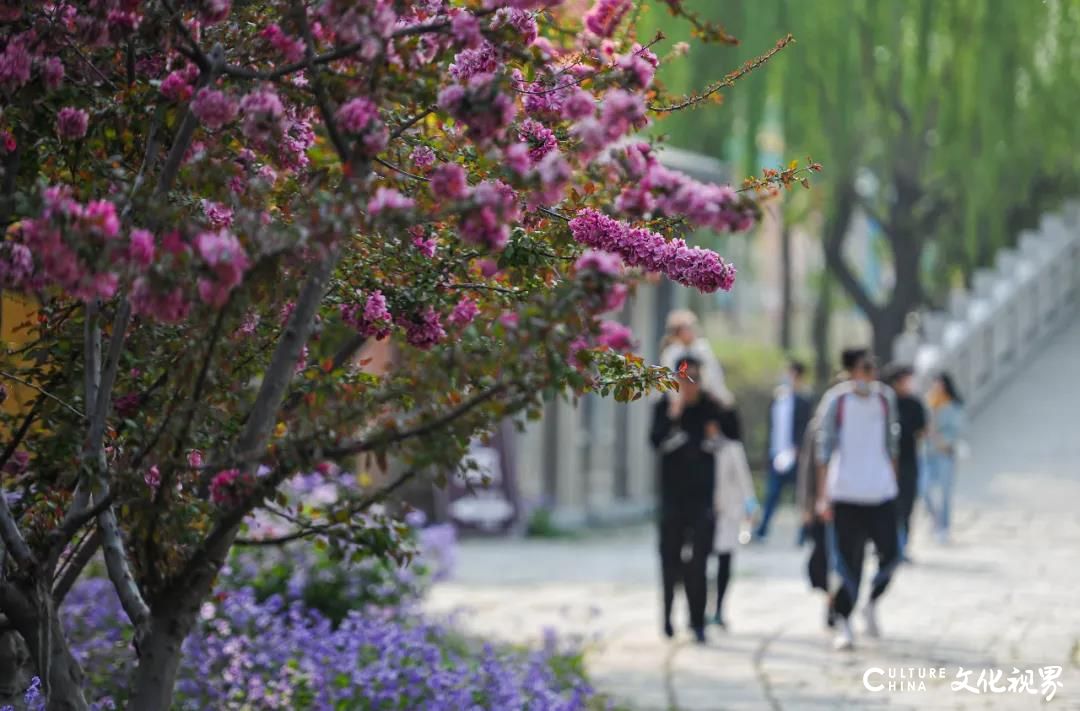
pixel 723 576
pixel 905 500
pixel 853 525
pixel 677 530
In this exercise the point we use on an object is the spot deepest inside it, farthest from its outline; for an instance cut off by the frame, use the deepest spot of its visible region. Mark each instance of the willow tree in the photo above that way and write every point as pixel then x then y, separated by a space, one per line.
pixel 950 125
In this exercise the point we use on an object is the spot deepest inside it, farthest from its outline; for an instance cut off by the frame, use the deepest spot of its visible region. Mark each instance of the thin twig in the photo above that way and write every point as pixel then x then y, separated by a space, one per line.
pixel 44 392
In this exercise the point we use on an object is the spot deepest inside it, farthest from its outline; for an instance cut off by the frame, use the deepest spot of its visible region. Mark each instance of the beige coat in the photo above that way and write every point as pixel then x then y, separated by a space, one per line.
pixel 733 488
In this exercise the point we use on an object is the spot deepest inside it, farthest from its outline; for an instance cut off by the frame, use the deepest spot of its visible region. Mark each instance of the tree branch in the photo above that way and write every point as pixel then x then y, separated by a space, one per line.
pixel 75 565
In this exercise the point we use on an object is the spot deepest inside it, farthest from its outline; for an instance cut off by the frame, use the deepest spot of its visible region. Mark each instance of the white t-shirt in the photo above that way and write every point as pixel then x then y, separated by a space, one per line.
pixel 860 470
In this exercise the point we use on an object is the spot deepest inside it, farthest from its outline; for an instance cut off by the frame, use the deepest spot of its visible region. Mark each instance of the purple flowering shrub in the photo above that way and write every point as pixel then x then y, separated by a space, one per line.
pixel 291 629
pixel 280 654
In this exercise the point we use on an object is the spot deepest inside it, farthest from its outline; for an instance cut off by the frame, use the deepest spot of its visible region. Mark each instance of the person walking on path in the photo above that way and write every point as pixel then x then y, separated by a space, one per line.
pixel 735 501
pixel 681 339
pixel 858 444
pixel 682 422
pixel 946 428
pixel 913 422
pixel 813 525
pixel 789 414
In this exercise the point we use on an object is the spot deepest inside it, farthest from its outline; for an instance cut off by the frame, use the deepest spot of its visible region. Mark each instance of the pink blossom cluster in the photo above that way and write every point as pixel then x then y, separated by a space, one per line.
pixel 16 61
pixel 495 207
pixel 449 182
pixel 640 65
pixel 654 189
pixel 388 199
pixel 52 73
pixel 16 264
pixel 373 321
pixel 620 112
pixel 422 157
pixel 464 312
pixel 363 22
pixel 230 487
pixel 71 123
pixel 481 106
pixel 359 117
pixel 94 227
pixel 264 115
pixel 595 263
pixel 179 85
pixel 554 175
pixel 222 252
pixel 605 15
pixel 615 336
pixel 540 139
pixel 218 214
pixel 425 329
pixel 213 108
pixel 465 28
pixel 480 60
pixel 692 266
pixel 522 23
pixel 167 304
pixel 291 48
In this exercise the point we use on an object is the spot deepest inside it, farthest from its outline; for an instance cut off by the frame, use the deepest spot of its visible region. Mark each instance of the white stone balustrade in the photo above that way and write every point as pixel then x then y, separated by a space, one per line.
pixel 989 331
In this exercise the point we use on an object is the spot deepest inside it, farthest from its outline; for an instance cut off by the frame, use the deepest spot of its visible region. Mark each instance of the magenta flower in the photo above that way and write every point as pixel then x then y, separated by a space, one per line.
pixel 464 312
pixel 141 248
pixel 15 62
pixel 388 199
pixel 600 262
pixel 373 321
pixel 425 330
pixel 605 15
pixel 356 115
pixel 422 157
pixel 540 138
pixel 72 123
pixel 263 115
pixel 691 266
pixel 194 458
pixel 222 487
pixel 177 86
pixel 152 477
pixel 52 73
pixel 615 336
pixel 213 108
pixel 448 182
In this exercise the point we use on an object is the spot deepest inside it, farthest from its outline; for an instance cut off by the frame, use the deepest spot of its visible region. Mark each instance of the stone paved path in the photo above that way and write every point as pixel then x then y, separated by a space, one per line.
pixel 1004 593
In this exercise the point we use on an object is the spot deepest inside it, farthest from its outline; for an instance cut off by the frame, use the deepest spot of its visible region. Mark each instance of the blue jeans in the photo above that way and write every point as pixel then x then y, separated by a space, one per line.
pixel 940 472
pixel 773 489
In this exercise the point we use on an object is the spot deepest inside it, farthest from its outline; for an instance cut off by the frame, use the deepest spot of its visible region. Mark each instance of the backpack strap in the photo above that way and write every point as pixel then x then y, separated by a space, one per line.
pixel 840 408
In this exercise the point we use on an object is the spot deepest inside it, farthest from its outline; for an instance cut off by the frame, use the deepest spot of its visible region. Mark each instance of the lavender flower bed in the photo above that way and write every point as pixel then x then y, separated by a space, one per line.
pixel 260 650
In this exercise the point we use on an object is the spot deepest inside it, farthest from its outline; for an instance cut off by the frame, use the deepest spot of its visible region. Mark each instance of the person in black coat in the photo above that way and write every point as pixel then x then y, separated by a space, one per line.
pixel 684 425
pixel 789 413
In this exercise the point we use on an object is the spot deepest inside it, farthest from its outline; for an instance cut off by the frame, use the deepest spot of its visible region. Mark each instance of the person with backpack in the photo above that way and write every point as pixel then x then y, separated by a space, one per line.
pixel 858 445
pixel 813 526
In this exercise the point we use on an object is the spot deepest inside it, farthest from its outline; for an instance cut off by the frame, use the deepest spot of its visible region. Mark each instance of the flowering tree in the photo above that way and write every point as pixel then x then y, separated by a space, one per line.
pixel 217 209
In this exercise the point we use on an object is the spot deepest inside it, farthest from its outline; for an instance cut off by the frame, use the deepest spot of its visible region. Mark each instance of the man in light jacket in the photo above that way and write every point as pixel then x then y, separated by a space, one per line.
pixel 858 444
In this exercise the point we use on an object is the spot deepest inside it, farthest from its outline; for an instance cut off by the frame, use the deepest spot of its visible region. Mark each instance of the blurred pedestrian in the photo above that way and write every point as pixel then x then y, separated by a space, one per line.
pixel 682 422
pixel 857 446
pixel 735 501
pixel 789 413
pixel 682 339
pixel 813 525
pixel 913 422
pixel 946 429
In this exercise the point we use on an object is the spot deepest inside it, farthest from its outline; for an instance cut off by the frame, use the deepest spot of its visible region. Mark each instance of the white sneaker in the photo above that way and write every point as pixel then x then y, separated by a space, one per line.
pixel 844 638
pixel 870 616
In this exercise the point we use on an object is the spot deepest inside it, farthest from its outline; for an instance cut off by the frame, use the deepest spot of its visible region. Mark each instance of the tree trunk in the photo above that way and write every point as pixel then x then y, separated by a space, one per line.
pixel 785 286
pixel 35 618
pixel 13 666
pixel 820 333
pixel 159 661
